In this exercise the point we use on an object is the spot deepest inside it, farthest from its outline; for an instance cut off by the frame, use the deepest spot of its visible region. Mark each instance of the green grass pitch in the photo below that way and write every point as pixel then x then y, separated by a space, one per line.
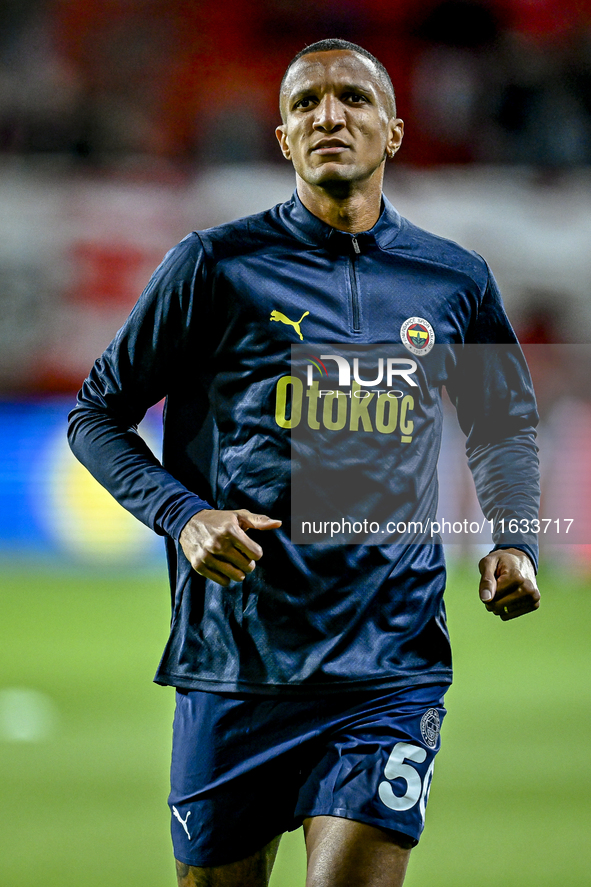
pixel 83 794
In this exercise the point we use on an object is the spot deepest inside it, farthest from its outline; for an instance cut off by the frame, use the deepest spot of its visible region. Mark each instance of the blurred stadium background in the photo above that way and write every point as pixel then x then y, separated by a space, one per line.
pixel 124 124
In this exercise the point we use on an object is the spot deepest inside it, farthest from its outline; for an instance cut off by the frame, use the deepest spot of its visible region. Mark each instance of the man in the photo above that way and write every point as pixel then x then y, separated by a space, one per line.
pixel 309 681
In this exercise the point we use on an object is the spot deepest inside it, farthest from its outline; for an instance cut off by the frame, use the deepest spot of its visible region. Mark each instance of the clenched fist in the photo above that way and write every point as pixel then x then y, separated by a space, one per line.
pixel 217 546
pixel 508 585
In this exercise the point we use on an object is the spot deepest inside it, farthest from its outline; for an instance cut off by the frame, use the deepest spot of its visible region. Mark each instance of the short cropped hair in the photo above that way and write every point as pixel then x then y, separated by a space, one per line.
pixel 333 43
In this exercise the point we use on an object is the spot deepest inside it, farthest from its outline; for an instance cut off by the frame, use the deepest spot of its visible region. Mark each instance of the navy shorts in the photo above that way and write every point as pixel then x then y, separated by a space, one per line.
pixel 247 768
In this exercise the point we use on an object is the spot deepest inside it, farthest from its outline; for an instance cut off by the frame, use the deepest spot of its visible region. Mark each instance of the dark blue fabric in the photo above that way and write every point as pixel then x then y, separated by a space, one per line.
pixel 245 769
pixel 311 617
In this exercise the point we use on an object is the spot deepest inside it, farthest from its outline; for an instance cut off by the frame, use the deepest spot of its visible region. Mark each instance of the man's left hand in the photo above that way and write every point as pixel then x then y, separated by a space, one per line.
pixel 508 585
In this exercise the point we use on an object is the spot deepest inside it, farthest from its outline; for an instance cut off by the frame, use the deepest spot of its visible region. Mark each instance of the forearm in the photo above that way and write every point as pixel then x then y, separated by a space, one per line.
pixel 118 457
pixel 507 480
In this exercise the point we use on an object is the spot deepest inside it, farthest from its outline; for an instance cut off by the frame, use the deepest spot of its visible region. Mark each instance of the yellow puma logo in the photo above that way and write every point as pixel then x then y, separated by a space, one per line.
pixel 277 315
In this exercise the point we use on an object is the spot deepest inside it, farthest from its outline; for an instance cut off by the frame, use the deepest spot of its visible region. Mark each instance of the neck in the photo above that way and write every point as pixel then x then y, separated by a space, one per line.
pixel 341 206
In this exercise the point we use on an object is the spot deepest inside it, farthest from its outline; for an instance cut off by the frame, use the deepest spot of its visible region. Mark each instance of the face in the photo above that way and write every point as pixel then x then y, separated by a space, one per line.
pixel 338 124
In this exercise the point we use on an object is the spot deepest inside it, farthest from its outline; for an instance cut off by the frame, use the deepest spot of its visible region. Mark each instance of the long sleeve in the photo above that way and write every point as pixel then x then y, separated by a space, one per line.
pixel 493 393
pixel 132 375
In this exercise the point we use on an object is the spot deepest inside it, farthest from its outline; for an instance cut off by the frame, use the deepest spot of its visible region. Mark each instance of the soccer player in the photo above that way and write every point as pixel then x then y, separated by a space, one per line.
pixel 310 680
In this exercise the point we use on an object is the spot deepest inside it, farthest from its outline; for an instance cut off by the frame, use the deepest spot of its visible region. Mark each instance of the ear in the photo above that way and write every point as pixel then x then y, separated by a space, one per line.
pixel 283 142
pixel 395 134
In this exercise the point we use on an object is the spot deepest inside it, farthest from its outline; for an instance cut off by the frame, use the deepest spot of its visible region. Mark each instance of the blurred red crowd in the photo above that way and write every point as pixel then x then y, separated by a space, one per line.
pixel 192 80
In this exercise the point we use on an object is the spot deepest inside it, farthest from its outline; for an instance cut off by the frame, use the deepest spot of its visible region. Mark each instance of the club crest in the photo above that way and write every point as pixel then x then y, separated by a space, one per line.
pixel 417 335
pixel 430 725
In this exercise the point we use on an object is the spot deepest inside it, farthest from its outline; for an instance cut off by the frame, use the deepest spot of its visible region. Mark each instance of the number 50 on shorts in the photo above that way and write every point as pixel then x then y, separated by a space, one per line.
pixel 417 789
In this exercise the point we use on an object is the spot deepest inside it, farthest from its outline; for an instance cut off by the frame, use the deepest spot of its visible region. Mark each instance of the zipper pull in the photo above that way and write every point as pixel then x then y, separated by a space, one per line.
pixel 356 245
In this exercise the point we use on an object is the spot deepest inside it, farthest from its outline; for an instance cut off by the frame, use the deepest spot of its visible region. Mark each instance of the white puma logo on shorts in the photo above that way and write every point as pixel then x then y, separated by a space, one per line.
pixel 182 821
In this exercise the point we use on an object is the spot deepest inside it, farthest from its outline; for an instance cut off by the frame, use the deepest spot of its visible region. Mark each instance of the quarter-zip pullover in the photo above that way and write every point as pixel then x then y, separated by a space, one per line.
pixel 213 334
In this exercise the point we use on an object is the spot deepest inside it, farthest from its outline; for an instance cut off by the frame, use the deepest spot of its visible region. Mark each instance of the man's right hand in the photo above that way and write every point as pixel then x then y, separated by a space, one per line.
pixel 216 544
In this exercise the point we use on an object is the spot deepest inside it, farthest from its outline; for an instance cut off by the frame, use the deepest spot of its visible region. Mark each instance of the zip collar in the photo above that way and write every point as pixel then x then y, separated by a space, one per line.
pixel 305 226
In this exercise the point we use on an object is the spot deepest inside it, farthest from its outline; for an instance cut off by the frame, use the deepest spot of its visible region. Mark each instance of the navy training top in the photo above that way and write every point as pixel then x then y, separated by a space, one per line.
pixel 214 333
